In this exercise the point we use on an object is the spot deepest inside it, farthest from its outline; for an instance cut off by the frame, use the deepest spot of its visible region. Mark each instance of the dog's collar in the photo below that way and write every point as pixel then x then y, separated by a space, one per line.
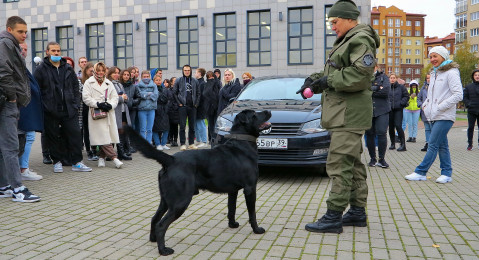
pixel 242 137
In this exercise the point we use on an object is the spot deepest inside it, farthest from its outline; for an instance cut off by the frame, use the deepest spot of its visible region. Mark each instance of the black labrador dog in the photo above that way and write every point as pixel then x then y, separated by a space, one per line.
pixel 226 168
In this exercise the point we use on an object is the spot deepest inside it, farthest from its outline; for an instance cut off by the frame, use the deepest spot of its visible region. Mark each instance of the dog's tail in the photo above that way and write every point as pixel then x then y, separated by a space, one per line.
pixel 148 150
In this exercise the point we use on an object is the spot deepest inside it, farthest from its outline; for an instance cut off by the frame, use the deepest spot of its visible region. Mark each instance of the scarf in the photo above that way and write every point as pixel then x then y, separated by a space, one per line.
pixel 97 77
pixel 442 64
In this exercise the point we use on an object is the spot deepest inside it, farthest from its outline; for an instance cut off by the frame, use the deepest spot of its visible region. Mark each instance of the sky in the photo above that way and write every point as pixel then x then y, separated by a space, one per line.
pixel 440 17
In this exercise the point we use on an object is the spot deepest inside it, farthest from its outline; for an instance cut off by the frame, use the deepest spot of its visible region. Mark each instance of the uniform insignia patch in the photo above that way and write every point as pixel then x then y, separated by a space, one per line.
pixel 368 60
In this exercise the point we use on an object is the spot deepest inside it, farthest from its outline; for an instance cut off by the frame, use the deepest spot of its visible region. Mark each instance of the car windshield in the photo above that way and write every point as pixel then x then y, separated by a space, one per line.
pixel 274 89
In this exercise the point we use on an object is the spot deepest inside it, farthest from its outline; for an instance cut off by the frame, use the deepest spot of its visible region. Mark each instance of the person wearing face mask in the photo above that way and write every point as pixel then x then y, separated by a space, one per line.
pixel 147 105
pixel 61 100
pixel 246 78
pixel 440 109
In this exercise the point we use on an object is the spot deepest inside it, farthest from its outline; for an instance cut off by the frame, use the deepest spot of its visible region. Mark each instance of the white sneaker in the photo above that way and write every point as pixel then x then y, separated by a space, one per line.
pixel 192 147
pixel 183 148
pixel 101 162
pixel 58 167
pixel 159 147
pixel 117 163
pixel 444 179
pixel 415 177
pixel 28 175
pixel 201 145
pixel 166 147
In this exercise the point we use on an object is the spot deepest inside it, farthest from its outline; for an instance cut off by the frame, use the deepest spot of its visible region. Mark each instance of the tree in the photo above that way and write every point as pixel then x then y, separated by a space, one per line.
pixel 467 61
pixel 424 72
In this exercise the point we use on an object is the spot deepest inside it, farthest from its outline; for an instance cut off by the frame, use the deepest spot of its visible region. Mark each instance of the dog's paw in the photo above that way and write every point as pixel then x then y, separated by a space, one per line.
pixel 258 230
pixel 233 224
pixel 166 251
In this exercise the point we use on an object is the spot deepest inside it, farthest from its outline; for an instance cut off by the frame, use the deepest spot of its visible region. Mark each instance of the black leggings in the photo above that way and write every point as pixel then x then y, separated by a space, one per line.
pixel 472 119
pixel 395 122
pixel 379 129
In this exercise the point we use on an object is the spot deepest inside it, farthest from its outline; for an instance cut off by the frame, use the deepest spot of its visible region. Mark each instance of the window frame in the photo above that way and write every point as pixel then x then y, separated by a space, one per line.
pixel 159 44
pixel 116 58
pixel 39 53
pixel 189 42
pixel 226 40
pixel 259 38
pixel 98 48
pixel 301 36
pixel 67 50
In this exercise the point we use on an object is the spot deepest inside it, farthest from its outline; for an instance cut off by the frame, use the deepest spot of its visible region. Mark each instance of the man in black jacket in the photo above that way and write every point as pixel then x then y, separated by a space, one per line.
pixel 187 94
pixel 16 90
pixel 471 101
pixel 61 100
pixel 381 107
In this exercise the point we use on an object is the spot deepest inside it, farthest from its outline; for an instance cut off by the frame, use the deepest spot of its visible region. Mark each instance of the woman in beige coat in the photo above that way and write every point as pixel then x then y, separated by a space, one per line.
pixel 99 92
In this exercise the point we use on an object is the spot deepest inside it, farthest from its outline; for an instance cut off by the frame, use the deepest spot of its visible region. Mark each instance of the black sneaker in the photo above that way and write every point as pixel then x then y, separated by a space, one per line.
pixel 372 163
pixel 6 192
pixel 24 196
pixel 382 163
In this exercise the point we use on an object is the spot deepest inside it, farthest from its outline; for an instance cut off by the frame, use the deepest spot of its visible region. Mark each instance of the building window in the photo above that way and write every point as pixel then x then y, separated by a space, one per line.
pixel 396 51
pixel 418 42
pixel 300 36
pixel 474 48
pixel 398 42
pixel 65 39
pixel 382 61
pixel 10 1
pixel 461 36
pixel 408 51
pixel 417 23
pixel 474 16
pixel 398 22
pixel 225 40
pixel 408 32
pixel 396 70
pixel 408 61
pixel 157 43
pixel 408 42
pixel 396 62
pixel 474 32
pixel 390 61
pixel 390 51
pixel 390 70
pixel 418 52
pixel 95 44
pixel 473 2
pixel 397 33
pixel 390 41
pixel 449 45
pixel 390 22
pixel 39 43
pixel 375 22
pixel 417 61
pixel 123 44
pixel 187 41
pixel 418 71
pixel 259 38
pixel 418 33
pixel 390 32
pixel 461 21
pixel 408 23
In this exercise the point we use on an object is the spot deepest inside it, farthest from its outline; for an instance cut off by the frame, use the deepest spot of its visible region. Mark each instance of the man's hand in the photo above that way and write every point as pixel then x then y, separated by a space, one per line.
pixel 322 83
pixel 307 83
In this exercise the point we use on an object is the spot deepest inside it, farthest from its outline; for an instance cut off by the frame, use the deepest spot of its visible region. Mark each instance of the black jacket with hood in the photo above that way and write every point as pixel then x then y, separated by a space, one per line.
pixel 398 96
pixel 471 95
pixel 13 71
pixel 381 104
pixel 59 87
pixel 179 90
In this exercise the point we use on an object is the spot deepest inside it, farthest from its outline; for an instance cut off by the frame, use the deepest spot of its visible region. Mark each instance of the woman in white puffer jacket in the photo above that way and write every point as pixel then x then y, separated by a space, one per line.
pixel 444 92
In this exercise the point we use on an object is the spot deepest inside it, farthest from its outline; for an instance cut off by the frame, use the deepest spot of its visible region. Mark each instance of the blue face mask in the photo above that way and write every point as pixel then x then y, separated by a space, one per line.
pixel 55 58
pixel 146 81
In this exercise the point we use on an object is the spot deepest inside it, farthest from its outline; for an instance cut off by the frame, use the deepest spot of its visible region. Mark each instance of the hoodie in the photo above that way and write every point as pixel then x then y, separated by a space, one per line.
pixel 13 70
pixel 471 95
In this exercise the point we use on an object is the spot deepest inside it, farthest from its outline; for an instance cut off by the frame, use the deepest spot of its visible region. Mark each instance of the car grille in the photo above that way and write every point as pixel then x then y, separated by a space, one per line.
pixel 290 154
pixel 284 129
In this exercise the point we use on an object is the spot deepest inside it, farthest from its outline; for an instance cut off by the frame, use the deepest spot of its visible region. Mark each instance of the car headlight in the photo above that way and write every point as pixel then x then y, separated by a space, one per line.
pixel 313 127
pixel 223 124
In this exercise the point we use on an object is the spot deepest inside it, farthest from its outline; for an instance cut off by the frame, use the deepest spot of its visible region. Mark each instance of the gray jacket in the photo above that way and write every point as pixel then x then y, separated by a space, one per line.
pixel 13 73
pixel 179 90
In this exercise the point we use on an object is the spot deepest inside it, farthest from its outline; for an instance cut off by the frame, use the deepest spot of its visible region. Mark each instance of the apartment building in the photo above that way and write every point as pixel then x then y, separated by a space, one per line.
pixel 467 23
pixel 402 41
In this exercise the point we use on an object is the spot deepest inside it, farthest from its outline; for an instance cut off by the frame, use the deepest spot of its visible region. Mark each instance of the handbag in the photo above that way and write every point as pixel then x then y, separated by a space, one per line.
pixel 97 113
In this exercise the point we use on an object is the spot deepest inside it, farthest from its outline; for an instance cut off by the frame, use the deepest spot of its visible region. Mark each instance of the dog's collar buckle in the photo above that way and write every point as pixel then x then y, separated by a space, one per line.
pixel 242 137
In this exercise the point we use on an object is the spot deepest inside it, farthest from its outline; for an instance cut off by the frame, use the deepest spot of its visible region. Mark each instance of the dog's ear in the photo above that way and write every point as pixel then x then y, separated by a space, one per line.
pixel 243 117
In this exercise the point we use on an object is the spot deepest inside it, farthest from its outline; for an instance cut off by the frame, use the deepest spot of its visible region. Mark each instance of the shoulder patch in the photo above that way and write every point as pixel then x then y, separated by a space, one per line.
pixel 368 60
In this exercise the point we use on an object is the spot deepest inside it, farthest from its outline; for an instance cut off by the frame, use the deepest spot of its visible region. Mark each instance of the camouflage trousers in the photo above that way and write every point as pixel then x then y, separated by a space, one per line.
pixel 346 171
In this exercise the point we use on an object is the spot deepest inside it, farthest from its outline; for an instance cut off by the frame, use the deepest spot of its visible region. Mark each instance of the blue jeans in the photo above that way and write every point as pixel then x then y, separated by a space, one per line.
pixel 427 130
pixel 200 131
pixel 404 122
pixel 146 118
pixel 437 144
pixel 164 138
pixel 23 160
pixel 412 118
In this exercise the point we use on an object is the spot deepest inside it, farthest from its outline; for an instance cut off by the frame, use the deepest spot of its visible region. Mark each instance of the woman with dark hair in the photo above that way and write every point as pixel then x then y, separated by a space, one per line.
pixel 173 114
pixel 211 94
pixel 412 111
pixel 87 72
pixel 121 112
pixel 398 97
pixel 471 101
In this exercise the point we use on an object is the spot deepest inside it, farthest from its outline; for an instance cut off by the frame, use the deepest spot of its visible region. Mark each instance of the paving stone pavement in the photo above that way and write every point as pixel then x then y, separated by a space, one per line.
pixel 106 214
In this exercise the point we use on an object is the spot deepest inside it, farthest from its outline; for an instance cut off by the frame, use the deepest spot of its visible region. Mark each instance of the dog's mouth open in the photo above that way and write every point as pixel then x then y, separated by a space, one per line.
pixel 264 126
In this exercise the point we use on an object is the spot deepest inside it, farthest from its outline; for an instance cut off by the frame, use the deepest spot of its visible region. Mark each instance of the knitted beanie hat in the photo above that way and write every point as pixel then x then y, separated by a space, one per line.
pixel 346 9
pixel 441 51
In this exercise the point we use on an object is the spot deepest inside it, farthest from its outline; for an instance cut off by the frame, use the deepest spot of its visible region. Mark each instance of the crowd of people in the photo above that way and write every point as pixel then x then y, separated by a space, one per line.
pixel 89 109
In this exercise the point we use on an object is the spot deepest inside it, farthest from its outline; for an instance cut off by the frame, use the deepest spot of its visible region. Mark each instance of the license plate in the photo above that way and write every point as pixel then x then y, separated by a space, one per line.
pixel 272 143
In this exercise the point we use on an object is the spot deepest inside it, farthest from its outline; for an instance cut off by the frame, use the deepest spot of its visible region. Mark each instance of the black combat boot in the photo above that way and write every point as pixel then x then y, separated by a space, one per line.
pixel 356 216
pixel 331 222
pixel 402 148
pixel 47 159
pixel 121 154
pixel 392 147
pixel 424 149
pixel 126 145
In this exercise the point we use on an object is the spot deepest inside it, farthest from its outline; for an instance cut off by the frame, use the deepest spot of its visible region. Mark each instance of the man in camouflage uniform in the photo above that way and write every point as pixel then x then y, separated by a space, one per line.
pixel 347 112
